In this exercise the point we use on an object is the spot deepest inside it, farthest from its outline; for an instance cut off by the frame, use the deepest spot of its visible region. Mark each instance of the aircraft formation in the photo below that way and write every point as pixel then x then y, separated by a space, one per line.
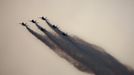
pixel 54 27
pixel 84 56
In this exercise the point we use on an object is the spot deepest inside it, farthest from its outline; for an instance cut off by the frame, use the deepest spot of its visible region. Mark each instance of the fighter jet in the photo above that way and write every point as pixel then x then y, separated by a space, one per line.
pixel 43 18
pixel 33 21
pixel 55 28
pixel 64 34
pixel 23 24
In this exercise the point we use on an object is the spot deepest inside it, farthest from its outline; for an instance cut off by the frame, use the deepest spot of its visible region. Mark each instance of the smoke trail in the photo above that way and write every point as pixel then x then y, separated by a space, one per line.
pixel 84 56
pixel 58 49
pixel 68 49
pixel 42 38
pixel 93 51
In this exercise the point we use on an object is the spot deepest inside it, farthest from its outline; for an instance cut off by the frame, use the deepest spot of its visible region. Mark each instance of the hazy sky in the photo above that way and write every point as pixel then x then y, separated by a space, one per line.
pixel 107 23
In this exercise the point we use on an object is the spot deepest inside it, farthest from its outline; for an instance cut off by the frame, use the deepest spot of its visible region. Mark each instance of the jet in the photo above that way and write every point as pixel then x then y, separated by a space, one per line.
pixel 64 34
pixel 33 21
pixel 47 21
pixel 43 18
pixel 54 26
pixel 23 24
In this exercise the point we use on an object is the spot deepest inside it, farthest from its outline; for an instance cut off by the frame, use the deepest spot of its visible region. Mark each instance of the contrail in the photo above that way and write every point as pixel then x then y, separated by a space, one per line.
pixel 84 56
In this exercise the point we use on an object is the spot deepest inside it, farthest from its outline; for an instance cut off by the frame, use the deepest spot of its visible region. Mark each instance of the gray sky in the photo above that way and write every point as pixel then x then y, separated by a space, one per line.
pixel 107 23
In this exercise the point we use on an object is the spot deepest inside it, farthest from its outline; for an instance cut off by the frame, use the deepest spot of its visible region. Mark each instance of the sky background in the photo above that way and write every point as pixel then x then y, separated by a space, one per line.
pixel 106 23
